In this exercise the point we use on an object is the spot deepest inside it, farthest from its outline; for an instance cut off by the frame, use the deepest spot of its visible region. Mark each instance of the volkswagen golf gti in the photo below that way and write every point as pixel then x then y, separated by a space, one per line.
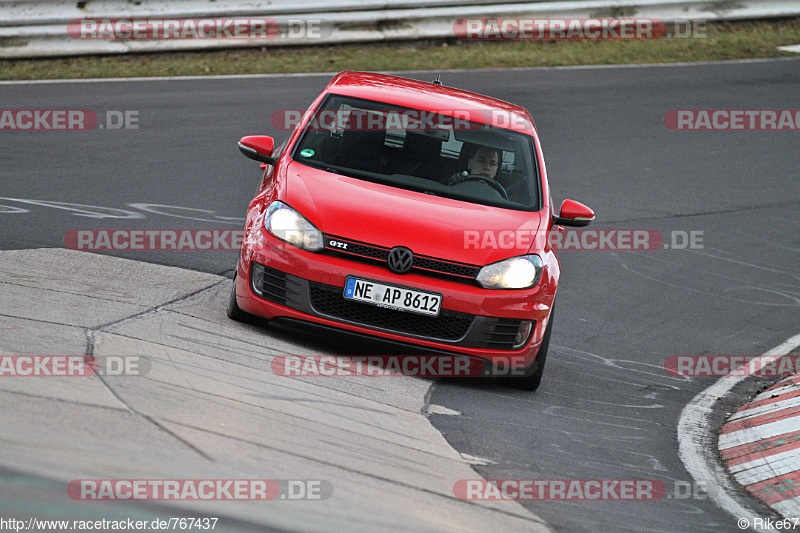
pixel 413 212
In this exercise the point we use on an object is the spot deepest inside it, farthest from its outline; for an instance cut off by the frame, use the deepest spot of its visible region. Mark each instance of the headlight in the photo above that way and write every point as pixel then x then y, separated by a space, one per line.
pixel 516 273
pixel 290 226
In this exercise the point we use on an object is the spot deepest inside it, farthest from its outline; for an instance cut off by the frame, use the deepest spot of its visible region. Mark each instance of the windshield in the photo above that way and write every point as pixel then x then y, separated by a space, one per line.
pixel 422 151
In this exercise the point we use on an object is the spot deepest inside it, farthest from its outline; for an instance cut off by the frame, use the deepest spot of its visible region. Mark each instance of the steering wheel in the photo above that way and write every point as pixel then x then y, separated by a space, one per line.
pixel 485 179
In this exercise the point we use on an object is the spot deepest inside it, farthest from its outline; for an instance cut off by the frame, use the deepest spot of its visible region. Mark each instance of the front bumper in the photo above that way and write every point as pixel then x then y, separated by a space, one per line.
pixel 306 286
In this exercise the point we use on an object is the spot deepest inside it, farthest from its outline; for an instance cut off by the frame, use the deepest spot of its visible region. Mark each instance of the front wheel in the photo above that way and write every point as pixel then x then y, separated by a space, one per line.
pixel 532 381
pixel 234 312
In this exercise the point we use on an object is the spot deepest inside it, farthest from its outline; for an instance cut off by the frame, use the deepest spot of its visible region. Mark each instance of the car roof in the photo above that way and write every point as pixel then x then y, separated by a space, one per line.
pixel 428 96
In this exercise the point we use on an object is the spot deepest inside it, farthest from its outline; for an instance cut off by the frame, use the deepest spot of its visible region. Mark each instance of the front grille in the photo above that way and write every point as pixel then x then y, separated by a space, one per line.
pixel 449 325
pixel 456 269
pixel 429 266
pixel 373 252
pixel 498 333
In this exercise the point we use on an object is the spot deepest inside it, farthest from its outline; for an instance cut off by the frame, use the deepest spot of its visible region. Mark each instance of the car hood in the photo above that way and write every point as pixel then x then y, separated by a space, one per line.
pixel 429 225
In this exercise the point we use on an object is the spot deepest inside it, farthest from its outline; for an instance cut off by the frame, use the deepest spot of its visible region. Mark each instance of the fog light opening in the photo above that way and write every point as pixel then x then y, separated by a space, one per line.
pixel 257 277
pixel 523 333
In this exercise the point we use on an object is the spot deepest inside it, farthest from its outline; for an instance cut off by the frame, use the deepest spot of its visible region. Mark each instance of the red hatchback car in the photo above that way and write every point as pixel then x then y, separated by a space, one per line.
pixel 408 211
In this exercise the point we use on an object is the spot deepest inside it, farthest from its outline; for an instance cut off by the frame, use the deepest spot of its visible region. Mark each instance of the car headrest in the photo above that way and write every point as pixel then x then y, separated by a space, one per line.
pixel 422 146
pixel 362 138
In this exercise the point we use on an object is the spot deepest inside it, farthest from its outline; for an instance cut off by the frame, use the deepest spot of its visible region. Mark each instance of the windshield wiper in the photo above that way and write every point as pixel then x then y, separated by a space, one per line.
pixel 321 166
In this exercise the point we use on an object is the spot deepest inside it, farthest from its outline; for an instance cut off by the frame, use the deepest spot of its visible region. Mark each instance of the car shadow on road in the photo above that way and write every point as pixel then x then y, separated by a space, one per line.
pixel 386 355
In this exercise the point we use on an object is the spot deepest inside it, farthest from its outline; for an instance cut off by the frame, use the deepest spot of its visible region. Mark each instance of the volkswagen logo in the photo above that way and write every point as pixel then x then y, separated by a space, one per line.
pixel 400 260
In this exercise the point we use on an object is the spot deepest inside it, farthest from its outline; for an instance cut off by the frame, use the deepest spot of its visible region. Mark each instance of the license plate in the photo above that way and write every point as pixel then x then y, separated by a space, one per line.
pixel 394 297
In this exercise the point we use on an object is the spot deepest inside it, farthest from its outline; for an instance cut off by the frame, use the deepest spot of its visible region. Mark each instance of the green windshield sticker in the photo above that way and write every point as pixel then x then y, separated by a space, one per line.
pixel 307 153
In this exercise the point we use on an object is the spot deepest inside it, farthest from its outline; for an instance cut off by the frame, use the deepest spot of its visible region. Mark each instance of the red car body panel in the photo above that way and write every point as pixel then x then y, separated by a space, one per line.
pixel 350 207
pixel 387 216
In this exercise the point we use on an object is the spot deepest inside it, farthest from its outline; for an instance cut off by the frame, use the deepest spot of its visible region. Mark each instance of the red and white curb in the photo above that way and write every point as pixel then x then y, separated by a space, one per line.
pixel 760 445
pixel 698 449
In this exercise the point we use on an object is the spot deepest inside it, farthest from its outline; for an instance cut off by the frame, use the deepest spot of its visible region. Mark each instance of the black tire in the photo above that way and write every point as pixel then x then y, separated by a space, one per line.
pixel 533 378
pixel 234 312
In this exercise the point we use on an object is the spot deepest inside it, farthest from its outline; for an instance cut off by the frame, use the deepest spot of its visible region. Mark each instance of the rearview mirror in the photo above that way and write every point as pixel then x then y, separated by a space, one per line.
pixel 574 213
pixel 258 147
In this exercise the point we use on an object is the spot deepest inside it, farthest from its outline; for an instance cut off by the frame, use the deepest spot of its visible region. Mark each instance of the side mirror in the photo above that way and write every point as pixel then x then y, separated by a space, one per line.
pixel 574 213
pixel 258 147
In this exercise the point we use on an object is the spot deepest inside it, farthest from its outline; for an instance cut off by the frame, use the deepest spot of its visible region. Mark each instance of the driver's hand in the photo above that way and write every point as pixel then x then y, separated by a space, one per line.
pixel 456 178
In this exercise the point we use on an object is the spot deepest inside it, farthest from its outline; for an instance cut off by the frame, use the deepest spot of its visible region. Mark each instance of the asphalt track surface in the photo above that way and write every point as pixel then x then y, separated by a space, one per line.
pixel 606 408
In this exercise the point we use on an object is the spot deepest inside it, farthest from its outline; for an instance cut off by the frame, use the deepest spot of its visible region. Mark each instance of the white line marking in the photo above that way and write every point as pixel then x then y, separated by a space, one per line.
pixel 395 72
pixel 788 508
pixel 786 347
pixel 696 443
pixel 764 431
pixel 765 468
pixel 174 78
pixel 767 394
pixel 764 409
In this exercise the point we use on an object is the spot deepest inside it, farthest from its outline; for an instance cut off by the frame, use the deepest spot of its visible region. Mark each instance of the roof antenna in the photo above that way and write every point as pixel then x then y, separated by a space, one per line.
pixel 437 81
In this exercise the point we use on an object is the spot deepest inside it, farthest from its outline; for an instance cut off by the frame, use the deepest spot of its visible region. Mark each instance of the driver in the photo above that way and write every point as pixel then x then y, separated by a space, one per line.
pixel 483 161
